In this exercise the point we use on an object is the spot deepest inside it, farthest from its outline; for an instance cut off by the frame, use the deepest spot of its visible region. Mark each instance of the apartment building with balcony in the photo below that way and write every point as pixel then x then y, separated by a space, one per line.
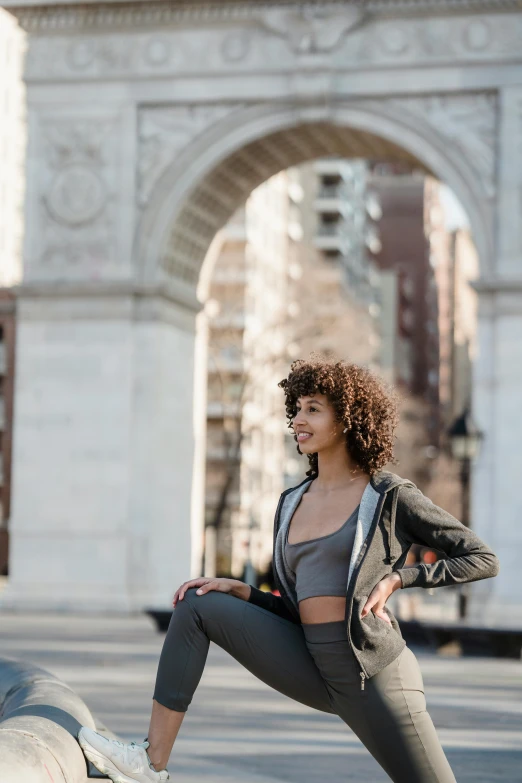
pixel 346 227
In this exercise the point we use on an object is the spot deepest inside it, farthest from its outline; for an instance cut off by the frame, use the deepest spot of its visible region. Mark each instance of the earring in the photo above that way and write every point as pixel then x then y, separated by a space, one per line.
pixel 345 430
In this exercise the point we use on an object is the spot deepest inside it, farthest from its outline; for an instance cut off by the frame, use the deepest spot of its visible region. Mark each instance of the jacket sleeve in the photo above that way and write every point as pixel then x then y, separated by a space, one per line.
pixel 420 521
pixel 269 601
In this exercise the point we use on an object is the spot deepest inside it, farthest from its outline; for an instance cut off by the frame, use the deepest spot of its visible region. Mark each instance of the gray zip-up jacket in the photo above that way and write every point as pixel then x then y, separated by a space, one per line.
pixel 393 514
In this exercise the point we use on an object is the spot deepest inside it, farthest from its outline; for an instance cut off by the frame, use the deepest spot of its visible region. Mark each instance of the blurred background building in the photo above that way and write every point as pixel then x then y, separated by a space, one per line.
pixel 354 259
pixel 136 142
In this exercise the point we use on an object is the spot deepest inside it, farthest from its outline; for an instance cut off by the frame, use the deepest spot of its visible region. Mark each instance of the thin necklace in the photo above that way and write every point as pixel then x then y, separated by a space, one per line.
pixel 340 486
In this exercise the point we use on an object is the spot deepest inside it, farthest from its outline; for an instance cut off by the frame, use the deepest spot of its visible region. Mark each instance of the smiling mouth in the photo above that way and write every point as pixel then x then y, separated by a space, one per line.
pixel 303 436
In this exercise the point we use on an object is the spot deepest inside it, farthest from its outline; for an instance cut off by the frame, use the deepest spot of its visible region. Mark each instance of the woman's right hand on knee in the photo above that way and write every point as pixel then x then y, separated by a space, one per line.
pixel 206 584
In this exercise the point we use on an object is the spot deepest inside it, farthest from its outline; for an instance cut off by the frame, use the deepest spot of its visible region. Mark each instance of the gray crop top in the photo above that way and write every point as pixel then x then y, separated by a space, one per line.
pixel 320 565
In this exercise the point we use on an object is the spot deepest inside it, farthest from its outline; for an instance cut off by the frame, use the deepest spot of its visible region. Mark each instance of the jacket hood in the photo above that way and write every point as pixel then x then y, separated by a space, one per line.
pixel 383 481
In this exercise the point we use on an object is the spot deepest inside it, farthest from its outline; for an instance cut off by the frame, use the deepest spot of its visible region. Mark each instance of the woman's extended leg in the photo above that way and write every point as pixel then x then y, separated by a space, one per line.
pixel 398 729
pixel 272 648
pixel 389 715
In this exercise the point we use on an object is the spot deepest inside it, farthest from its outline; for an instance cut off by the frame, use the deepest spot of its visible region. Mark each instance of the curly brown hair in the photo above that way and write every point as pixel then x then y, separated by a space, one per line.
pixel 361 401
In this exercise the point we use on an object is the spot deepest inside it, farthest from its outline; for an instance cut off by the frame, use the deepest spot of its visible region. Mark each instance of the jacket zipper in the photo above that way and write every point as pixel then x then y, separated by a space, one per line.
pixel 362 554
pixel 276 530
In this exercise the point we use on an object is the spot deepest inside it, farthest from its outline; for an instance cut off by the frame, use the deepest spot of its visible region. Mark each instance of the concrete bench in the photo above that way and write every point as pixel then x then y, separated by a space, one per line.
pixel 472 639
pixel 39 721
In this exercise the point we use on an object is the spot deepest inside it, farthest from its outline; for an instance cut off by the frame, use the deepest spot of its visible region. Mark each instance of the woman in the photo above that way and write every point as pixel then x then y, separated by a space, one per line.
pixel 341 538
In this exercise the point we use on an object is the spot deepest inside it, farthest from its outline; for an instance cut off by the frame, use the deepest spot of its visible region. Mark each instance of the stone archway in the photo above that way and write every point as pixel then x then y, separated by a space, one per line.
pixel 195 192
pixel 139 113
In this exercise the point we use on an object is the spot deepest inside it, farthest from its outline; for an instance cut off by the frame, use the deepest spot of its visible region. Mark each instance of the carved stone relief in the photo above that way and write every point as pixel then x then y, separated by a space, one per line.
pixel 104 56
pixel 77 203
pixel 164 131
pixel 467 121
pixel 457 39
pixel 279 38
pixel 310 30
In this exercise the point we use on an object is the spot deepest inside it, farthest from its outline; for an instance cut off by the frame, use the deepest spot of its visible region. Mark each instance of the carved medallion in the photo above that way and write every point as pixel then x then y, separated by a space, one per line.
pixel 395 40
pixel 77 195
pixel 477 35
pixel 235 47
pixel 81 54
pixel 157 51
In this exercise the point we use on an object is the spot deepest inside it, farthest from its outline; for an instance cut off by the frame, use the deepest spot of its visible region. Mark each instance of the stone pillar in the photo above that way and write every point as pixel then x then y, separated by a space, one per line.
pixel 498 383
pixel 103 450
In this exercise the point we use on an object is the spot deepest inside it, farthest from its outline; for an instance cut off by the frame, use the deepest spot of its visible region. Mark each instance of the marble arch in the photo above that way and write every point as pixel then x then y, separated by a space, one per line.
pixel 135 110
pixel 217 171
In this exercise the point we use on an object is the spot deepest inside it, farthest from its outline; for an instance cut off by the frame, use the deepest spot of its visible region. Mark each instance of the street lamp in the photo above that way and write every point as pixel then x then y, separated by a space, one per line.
pixel 465 439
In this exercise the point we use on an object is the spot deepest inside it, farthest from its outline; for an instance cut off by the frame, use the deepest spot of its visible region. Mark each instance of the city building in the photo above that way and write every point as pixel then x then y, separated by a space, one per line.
pixel 453 258
pixel 410 348
pixel 340 215
pixel 275 295
pixel 429 333
pixel 247 349
pixel 124 198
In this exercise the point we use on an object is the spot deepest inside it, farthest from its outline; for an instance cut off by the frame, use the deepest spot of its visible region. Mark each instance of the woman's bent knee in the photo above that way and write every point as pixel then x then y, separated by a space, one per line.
pixel 212 600
pixel 213 608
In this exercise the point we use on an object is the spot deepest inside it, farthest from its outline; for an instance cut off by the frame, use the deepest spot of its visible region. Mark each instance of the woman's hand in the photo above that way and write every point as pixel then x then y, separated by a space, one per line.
pixel 205 584
pixel 380 594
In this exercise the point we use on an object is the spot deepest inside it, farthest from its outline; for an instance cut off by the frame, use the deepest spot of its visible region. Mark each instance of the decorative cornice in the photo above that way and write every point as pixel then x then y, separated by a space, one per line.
pixel 497 285
pixel 35 16
pixel 499 296
pixel 170 291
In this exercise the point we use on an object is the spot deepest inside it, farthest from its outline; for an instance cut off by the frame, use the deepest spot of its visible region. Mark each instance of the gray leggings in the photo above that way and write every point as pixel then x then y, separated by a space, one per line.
pixel 314 665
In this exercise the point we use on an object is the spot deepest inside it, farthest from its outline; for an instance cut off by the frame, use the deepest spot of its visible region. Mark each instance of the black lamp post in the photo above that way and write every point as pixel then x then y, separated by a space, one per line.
pixel 465 439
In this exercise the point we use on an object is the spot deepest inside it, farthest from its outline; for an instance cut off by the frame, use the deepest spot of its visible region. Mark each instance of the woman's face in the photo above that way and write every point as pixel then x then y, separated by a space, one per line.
pixel 315 424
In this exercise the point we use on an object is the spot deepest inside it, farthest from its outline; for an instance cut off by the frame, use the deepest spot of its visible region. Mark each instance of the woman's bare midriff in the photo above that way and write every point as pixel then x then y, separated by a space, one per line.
pixel 322 609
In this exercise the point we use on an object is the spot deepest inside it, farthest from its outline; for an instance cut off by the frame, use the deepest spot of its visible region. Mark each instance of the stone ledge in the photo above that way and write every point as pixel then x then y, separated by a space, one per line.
pixel 174 293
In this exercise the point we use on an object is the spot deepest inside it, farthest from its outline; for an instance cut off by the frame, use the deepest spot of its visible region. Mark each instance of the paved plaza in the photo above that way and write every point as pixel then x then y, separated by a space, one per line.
pixel 238 730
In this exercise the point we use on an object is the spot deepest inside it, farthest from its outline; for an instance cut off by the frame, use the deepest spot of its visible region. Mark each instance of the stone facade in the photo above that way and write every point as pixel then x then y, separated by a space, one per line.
pixel 12 142
pixel 149 123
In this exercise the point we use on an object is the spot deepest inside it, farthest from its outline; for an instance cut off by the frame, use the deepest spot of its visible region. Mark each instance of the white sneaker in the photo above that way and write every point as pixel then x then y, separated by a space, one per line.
pixel 121 762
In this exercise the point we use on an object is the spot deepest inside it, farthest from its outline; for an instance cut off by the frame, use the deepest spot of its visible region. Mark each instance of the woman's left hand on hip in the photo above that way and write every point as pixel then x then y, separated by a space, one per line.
pixel 379 595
